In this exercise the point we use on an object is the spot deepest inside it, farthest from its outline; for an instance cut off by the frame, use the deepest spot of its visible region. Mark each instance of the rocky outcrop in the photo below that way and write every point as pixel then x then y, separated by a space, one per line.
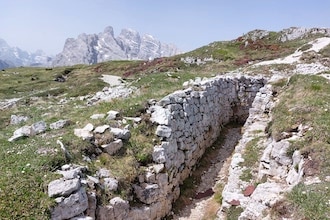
pixel 300 32
pixel 95 48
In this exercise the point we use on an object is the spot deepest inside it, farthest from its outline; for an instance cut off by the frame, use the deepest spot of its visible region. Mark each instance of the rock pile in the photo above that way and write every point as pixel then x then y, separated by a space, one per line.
pixel 35 128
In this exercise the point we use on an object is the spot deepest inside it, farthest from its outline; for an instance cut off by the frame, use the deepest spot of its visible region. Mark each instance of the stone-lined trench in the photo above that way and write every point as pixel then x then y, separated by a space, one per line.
pixel 189 121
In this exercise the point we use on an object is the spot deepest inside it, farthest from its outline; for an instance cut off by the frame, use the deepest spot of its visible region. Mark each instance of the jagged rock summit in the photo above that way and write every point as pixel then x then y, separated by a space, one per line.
pixel 128 45
pixel 14 57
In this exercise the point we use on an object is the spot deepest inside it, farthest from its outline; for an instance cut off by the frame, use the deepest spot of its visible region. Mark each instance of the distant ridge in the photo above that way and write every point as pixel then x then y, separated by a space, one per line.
pixel 128 45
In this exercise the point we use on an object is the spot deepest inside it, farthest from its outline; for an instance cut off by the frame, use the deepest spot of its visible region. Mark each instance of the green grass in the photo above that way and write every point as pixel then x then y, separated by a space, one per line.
pixel 246 175
pixel 234 212
pixel 312 201
pixel 305 100
pixel 251 153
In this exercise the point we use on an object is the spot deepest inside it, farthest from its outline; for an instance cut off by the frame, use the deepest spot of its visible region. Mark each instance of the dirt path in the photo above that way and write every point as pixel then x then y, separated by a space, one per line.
pixel 216 171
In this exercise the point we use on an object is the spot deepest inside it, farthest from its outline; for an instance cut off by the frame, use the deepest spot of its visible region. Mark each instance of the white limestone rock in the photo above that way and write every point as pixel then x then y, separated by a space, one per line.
pixel 71 206
pixel 163 131
pixel 59 124
pixel 24 131
pixel 160 115
pixel 38 127
pixel 63 187
pixel 113 147
pixel 97 116
pixel 123 134
pixel 112 115
pixel 18 119
pixel 147 193
pixel 101 129
pixel 111 184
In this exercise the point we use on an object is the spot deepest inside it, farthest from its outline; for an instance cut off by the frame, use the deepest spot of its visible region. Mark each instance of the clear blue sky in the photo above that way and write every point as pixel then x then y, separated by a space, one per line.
pixel 189 24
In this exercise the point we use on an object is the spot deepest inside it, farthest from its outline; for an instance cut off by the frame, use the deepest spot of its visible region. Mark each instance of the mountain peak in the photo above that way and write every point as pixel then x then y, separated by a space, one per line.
pixel 128 45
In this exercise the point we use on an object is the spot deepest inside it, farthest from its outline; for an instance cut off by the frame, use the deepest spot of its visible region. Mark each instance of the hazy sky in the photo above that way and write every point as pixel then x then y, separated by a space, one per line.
pixel 45 24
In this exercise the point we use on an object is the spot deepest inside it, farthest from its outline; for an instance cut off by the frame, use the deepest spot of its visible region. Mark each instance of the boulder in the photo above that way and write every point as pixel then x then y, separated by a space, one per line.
pixel 59 124
pixel 112 115
pixel 111 184
pixel 24 131
pixel 63 187
pixel 123 134
pixel 101 129
pixel 71 206
pixel 97 116
pixel 113 147
pixel 17 119
pixel 38 127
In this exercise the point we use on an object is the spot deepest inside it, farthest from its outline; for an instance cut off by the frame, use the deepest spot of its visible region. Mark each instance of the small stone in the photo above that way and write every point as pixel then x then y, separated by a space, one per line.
pixel 17 119
pixel 111 184
pixel 249 190
pixel 113 147
pixel 88 127
pixel 235 202
pixel 112 115
pixel 101 129
pixel 163 131
pixel 38 127
pixel 97 116
pixel 59 124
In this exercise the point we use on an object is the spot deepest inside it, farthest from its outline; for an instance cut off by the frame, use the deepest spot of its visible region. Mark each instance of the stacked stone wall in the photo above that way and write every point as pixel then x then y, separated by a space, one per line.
pixel 188 122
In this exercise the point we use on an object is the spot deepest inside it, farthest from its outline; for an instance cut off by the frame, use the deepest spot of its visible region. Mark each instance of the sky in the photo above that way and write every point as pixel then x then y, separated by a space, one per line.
pixel 189 24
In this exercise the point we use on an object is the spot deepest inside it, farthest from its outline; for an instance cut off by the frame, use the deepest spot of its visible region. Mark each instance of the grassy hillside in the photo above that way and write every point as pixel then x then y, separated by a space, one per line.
pixel 26 170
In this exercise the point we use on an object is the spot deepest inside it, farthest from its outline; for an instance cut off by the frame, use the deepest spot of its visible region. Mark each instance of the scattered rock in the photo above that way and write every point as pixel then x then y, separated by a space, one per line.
pixel 249 190
pixel 234 202
pixel 85 133
pixel 123 134
pixel 112 115
pixel 97 116
pixel 38 127
pixel 101 129
pixel 17 119
pixel 111 184
pixel 59 124
pixel 24 131
pixel 113 147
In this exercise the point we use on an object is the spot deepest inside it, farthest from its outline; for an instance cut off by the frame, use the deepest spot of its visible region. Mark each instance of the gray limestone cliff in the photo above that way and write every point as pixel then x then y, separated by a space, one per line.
pixel 105 46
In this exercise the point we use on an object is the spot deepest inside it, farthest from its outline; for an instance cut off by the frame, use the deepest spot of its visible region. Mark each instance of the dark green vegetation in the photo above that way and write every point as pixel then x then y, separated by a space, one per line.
pixel 306 100
pixel 25 173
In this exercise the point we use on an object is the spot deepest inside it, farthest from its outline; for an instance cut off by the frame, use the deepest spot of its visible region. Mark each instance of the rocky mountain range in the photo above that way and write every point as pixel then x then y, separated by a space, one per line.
pixel 128 45
pixel 91 49
pixel 14 56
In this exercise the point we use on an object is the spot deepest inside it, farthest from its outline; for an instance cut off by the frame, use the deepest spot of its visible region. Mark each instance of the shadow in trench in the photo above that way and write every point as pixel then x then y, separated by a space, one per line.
pixel 199 186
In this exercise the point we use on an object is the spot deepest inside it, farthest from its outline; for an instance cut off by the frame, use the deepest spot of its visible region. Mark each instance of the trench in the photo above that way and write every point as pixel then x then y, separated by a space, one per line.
pixel 193 150
pixel 197 190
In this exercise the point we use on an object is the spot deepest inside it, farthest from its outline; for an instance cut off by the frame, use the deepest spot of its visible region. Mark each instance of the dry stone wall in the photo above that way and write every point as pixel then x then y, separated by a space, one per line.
pixel 188 121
